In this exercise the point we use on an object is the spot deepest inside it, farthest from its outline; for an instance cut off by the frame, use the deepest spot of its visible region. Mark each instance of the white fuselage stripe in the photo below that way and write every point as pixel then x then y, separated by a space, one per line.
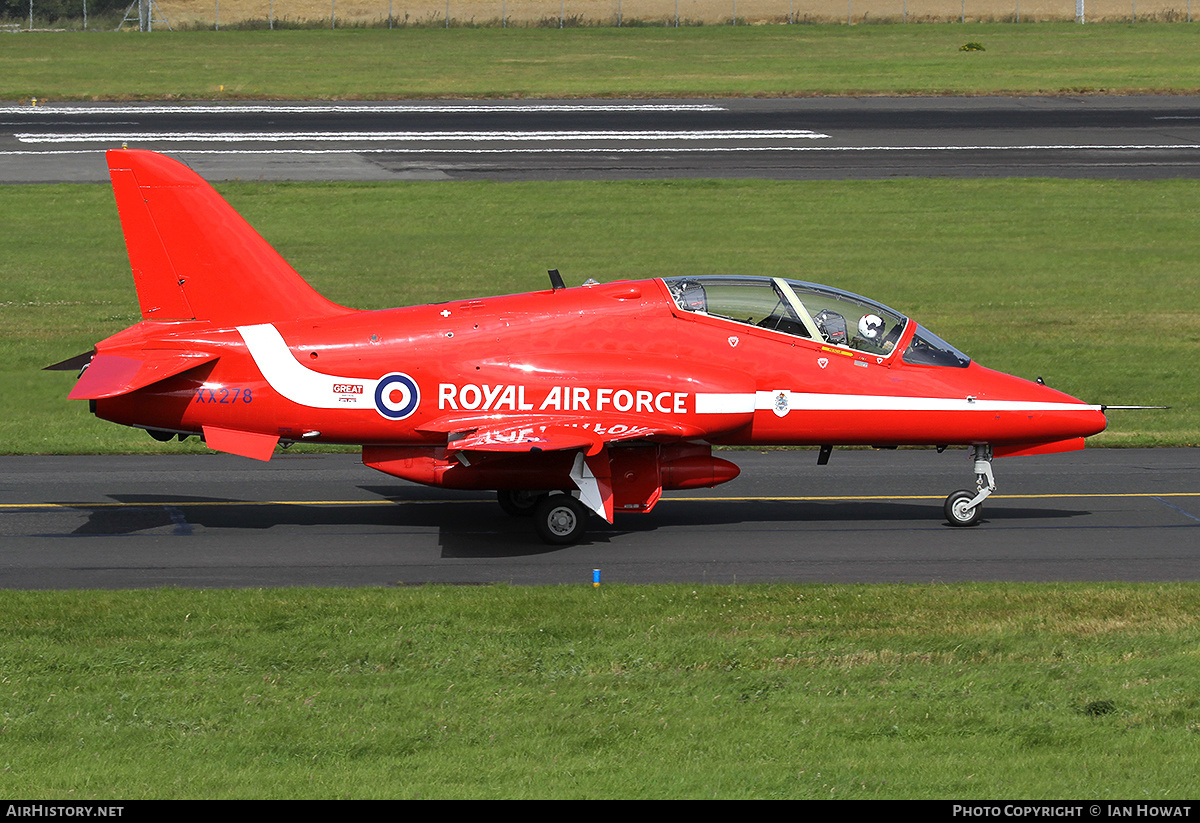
pixel 298 383
pixel 746 403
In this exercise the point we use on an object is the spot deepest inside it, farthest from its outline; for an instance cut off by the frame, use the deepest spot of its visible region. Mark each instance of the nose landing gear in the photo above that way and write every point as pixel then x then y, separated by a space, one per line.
pixel 964 508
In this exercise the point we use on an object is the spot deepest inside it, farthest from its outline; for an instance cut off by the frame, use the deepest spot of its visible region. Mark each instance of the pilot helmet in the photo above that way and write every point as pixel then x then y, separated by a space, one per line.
pixel 870 327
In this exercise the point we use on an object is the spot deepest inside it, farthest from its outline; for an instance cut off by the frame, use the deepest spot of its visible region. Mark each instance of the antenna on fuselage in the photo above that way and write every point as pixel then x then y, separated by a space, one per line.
pixel 556 281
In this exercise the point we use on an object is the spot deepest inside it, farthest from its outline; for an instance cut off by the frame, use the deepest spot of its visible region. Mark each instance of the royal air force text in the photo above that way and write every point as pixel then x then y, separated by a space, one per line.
pixel 472 397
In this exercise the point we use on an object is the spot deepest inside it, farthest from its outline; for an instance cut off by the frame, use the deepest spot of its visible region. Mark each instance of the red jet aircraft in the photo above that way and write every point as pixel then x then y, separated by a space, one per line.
pixel 565 401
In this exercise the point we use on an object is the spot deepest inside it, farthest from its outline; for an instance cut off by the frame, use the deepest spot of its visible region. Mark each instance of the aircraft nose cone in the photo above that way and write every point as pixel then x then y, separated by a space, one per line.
pixel 1087 419
pixel 1029 412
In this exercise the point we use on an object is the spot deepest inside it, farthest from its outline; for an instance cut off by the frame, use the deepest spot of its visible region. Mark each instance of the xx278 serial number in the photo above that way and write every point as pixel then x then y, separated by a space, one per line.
pixel 226 395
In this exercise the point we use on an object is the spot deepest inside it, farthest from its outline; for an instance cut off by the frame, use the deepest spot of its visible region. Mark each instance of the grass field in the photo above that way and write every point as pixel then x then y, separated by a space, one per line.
pixel 833 692
pixel 1051 58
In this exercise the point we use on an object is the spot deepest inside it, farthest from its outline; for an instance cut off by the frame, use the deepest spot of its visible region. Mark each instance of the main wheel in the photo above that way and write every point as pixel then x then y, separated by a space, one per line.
pixel 519 502
pixel 561 519
pixel 958 513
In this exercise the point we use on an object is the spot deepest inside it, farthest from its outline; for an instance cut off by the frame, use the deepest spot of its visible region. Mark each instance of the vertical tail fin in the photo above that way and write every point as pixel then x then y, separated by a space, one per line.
pixel 194 257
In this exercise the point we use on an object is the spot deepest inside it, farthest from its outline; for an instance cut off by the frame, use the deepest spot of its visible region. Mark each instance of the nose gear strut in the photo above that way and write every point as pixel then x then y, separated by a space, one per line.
pixel 963 508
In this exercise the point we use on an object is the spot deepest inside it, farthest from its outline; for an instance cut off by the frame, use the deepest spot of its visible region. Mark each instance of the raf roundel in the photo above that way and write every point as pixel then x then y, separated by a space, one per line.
pixel 397 396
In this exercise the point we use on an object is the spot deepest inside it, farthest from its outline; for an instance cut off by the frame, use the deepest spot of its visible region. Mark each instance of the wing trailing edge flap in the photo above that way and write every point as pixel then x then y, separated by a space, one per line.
pixel 111 374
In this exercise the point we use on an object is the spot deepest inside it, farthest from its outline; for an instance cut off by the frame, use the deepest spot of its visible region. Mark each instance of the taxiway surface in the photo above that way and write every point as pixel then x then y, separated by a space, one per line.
pixel 326 520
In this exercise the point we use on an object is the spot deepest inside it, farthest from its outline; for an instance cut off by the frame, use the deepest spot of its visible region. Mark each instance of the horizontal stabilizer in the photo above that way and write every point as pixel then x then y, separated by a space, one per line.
pixel 72 363
pixel 111 375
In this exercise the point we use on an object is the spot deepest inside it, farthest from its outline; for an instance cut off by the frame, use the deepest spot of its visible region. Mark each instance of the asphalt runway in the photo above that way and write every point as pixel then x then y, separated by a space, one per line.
pixel 326 520
pixel 785 139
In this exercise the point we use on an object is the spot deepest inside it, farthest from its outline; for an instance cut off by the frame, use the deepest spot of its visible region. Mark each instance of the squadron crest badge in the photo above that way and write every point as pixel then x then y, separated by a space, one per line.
pixel 782 404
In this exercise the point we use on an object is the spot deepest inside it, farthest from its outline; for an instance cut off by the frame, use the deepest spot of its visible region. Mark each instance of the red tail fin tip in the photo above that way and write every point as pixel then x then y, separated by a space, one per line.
pixel 194 257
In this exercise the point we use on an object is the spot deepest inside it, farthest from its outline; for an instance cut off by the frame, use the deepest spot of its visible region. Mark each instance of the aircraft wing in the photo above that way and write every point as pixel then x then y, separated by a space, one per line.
pixel 554 432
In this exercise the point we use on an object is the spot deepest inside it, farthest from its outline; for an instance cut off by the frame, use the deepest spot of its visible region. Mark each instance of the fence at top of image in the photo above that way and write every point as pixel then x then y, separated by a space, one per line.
pixel 149 15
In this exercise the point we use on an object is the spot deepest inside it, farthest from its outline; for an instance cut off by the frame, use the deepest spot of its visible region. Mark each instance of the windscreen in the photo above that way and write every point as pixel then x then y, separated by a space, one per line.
pixel 927 349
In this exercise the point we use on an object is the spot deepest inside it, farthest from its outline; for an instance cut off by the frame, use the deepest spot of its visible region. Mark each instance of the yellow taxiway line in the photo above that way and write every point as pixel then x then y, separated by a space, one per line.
pixel 808 499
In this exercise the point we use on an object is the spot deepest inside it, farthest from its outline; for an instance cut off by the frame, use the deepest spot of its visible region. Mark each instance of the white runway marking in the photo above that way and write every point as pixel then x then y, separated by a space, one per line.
pixel 416 136
pixel 632 150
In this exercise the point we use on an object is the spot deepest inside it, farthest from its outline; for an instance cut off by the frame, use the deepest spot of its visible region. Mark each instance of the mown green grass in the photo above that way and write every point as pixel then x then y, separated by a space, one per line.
pixel 1039 58
pixel 980 691
pixel 1089 284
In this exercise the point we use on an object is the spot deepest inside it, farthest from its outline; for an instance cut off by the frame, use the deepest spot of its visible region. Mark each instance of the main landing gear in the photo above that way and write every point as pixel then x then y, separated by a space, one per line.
pixel 519 502
pixel 560 518
pixel 964 508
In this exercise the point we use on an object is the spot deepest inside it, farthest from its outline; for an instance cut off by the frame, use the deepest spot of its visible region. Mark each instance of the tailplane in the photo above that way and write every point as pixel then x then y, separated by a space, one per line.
pixel 194 257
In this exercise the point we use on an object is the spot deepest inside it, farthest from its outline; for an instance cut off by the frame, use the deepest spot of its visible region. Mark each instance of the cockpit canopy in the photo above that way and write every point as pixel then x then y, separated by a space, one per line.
pixel 808 310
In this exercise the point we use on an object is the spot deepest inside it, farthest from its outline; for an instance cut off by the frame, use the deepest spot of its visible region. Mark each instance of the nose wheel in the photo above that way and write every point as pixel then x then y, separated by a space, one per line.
pixel 964 508
pixel 959 510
